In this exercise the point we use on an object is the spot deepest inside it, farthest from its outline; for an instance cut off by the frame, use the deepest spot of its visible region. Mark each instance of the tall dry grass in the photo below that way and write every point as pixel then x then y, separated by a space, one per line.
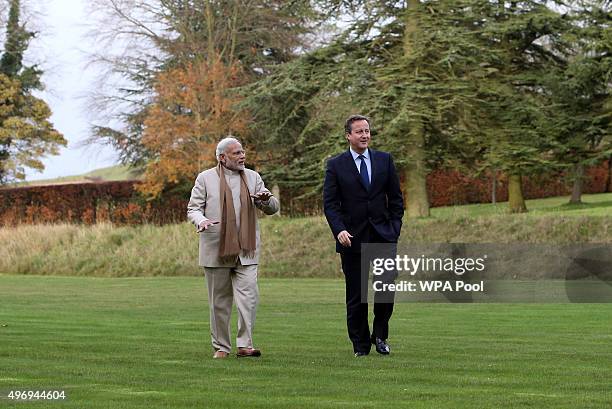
pixel 300 247
pixel 100 250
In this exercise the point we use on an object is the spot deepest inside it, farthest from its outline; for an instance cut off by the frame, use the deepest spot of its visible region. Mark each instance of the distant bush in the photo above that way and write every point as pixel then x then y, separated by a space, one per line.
pixel 450 187
pixel 119 203
pixel 88 203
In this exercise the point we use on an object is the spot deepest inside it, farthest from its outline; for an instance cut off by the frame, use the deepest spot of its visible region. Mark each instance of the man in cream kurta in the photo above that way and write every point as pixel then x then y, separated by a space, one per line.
pixel 233 277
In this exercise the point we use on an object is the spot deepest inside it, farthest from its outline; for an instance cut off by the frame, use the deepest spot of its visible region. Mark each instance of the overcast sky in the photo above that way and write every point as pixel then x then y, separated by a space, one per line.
pixel 63 44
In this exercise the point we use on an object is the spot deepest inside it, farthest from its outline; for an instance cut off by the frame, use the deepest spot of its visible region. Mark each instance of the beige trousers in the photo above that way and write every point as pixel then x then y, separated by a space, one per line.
pixel 224 285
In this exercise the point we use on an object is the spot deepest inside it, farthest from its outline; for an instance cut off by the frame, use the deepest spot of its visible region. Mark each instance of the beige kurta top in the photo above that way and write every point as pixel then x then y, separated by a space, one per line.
pixel 205 204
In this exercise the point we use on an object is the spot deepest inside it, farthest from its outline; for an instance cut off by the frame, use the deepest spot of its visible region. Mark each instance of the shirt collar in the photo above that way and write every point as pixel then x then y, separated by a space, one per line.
pixel 366 154
pixel 228 171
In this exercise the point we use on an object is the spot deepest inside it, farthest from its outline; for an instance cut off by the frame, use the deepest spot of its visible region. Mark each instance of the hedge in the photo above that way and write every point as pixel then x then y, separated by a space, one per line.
pixel 119 202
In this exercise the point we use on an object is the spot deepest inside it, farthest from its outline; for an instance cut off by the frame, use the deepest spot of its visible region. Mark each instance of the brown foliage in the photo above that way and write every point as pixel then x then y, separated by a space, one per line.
pixel 88 203
pixel 194 109
pixel 449 187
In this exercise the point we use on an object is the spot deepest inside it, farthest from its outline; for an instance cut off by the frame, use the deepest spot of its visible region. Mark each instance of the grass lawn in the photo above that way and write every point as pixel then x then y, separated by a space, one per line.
pixel 144 343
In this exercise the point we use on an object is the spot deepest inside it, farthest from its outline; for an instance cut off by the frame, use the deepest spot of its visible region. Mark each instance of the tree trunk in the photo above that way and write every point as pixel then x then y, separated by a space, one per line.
pixel 578 183
pixel 494 187
pixel 516 201
pixel 609 184
pixel 417 202
pixel 416 173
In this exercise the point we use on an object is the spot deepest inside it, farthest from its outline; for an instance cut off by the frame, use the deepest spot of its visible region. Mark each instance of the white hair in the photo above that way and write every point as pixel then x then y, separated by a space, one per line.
pixel 224 144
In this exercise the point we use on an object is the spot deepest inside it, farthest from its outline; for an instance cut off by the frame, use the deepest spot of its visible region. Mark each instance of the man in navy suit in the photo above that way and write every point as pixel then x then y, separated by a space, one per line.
pixel 363 204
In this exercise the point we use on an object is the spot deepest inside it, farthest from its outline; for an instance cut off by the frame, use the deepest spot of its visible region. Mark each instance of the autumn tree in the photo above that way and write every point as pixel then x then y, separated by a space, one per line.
pixel 164 36
pixel 26 134
pixel 193 107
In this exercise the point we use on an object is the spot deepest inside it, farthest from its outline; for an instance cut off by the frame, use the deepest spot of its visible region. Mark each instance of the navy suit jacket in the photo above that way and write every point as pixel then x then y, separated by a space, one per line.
pixel 349 206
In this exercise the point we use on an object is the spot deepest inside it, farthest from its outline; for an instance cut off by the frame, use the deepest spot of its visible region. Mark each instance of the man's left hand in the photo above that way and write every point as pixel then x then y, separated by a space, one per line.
pixel 263 196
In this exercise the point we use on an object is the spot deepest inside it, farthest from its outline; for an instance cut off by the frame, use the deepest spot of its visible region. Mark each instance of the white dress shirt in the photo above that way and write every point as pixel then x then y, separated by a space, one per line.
pixel 358 160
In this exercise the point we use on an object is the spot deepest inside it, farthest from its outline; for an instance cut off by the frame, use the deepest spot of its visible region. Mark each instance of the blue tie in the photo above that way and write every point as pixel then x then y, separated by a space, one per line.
pixel 363 171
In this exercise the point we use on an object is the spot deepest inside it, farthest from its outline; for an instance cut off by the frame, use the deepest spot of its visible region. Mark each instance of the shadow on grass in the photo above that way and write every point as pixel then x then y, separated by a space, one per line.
pixel 576 206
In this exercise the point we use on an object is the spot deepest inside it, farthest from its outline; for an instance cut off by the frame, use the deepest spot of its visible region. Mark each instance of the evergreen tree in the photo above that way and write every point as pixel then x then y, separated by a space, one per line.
pixel 25 131
pixel 581 94
pixel 425 94
pixel 17 40
pixel 519 125
pixel 454 83
pixel 411 67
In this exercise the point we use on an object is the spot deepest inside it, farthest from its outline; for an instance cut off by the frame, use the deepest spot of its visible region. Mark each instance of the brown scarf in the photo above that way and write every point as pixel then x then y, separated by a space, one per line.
pixel 232 240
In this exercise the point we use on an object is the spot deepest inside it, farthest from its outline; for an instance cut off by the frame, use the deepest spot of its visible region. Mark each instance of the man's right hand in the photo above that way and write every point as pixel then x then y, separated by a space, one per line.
pixel 205 224
pixel 344 238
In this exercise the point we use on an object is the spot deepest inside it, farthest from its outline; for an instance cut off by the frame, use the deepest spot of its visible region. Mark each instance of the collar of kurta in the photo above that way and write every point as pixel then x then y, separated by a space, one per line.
pixel 231 172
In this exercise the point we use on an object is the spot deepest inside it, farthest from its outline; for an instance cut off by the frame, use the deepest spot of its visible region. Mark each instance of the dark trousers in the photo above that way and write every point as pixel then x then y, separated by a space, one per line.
pixel 357 311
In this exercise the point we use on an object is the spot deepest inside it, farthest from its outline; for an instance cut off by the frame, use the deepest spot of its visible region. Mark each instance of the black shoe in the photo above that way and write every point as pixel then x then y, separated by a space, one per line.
pixel 360 354
pixel 381 346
